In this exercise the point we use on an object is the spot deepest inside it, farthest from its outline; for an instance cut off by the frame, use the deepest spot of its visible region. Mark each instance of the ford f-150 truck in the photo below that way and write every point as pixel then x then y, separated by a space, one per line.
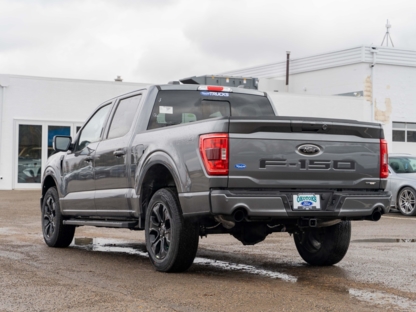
pixel 184 161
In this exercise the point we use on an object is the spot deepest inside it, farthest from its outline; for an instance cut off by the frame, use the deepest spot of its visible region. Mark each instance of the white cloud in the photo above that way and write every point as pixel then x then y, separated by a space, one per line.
pixel 158 41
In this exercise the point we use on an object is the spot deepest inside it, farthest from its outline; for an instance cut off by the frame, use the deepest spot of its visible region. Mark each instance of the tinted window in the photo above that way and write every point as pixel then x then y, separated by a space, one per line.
pixel 399 135
pixel 30 154
pixel 176 107
pixel 411 136
pixel 123 117
pixel 404 132
pixel 93 129
pixel 403 164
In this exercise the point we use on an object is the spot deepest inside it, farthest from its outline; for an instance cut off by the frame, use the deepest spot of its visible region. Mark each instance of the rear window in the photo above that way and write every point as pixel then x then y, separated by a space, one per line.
pixel 176 107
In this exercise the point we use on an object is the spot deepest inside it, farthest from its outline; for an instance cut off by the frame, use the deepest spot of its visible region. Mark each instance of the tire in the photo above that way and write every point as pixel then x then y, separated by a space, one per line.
pixel 55 233
pixel 324 246
pixel 171 240
pixel 406 201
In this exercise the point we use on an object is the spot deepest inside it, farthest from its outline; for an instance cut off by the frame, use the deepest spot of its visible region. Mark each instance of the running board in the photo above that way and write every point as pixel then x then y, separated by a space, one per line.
pixel 102 223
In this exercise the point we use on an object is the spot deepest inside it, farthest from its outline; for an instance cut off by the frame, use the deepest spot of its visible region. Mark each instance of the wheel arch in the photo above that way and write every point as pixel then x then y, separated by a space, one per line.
pixel 49 181
pixel 159 171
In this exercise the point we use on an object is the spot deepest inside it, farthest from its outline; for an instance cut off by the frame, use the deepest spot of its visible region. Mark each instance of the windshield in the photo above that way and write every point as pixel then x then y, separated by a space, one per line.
pixel 403 164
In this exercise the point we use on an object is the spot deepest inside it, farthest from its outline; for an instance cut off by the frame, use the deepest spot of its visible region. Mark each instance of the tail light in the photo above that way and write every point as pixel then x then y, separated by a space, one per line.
pixel 384 159
pixel 215 88
pixel 214 152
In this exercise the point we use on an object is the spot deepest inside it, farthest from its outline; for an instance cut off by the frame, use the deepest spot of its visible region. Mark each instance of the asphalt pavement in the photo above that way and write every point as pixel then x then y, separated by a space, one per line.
pixel 108 269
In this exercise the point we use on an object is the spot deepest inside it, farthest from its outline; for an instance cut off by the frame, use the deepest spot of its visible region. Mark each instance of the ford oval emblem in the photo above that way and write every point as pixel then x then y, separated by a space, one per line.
pixel 240 166
pixel 306 203
pixel 309 149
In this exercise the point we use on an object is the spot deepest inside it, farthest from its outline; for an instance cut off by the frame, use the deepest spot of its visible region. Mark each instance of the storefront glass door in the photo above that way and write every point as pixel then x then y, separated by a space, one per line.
pixel 29 154
pixel 34 146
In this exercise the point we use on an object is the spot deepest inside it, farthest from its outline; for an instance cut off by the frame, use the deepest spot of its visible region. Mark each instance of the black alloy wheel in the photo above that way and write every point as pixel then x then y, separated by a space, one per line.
pixel 160 230
pixel 55 233
pixel 49 217
pixel 171 239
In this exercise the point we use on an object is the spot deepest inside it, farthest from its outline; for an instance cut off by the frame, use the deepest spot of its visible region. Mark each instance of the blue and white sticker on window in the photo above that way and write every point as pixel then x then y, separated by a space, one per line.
pixel 210 93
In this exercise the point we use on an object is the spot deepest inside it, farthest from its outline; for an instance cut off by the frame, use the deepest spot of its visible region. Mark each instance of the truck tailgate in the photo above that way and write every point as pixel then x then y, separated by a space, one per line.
pixel 293 152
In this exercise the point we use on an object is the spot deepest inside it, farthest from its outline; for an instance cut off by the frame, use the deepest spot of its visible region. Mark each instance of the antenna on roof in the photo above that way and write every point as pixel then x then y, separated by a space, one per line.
pixel 387 35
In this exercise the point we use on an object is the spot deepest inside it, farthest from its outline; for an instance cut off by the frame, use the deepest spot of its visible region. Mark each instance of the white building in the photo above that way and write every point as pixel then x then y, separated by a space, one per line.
pixel 363 83
pixel 32 110
pixel 383 78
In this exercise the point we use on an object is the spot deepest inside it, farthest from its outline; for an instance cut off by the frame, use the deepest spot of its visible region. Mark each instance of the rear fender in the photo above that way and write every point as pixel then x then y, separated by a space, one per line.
pixel 182 181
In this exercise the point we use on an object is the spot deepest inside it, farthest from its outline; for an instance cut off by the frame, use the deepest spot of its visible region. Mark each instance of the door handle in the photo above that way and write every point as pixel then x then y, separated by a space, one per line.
pixel 88 158
pixel 119 152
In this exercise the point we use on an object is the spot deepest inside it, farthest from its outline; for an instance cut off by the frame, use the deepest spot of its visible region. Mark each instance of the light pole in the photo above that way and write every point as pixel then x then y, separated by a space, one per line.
pixel 287 70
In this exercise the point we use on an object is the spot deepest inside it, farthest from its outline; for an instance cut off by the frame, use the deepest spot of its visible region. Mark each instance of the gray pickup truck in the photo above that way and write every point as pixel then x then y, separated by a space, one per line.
pixel 184 161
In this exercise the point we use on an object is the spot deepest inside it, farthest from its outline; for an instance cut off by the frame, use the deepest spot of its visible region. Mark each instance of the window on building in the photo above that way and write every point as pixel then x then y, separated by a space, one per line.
pixel 30 154
pixel 404 132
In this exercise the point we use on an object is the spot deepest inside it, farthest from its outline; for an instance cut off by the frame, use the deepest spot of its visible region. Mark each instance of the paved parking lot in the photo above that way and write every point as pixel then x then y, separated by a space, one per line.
pixel 108 269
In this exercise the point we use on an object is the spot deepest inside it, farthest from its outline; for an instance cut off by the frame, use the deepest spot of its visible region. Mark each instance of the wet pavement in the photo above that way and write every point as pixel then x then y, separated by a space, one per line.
pixel 109 269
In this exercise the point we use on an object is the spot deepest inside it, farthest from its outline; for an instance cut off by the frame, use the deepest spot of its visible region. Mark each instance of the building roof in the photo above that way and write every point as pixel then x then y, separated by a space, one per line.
pixel 363 54
pixel 5 77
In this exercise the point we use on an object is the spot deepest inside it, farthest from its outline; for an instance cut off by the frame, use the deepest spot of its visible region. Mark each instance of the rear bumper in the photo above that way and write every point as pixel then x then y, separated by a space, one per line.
pixel 278 204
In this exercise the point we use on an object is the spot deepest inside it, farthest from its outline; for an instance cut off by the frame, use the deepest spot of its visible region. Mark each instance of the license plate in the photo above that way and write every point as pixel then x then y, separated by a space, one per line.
pixel 306 202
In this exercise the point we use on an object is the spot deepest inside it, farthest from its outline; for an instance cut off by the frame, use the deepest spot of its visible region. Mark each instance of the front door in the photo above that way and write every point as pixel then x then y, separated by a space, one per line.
pixel 78 167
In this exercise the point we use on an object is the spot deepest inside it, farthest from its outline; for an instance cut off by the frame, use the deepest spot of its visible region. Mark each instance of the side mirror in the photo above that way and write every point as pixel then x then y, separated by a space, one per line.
pixel 61 143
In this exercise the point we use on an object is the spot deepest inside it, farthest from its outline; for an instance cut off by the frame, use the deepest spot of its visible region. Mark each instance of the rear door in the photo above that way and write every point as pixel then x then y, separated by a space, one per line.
pixel 284 152
pixel 113 180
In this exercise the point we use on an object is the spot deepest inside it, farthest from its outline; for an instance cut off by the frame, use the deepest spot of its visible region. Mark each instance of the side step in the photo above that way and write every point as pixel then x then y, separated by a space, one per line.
pixel 102 223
